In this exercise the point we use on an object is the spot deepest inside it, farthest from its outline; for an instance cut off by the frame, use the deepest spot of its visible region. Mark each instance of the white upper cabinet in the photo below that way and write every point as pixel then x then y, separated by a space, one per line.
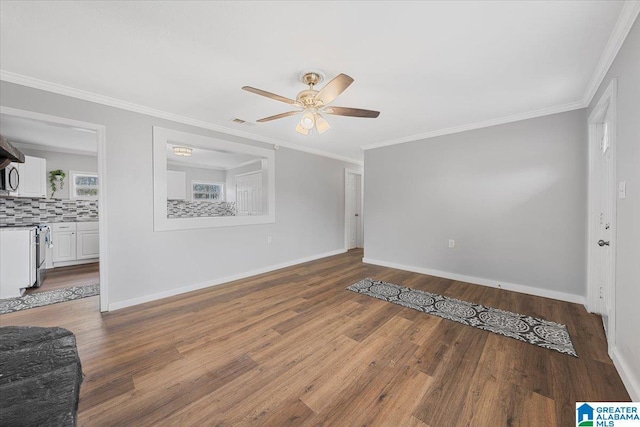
pixel 176 185
pixel 33 177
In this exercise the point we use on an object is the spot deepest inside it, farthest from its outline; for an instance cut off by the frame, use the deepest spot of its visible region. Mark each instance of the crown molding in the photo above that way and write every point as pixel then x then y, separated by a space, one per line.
pixel 34 83
pixel 626 19
pixel 478 125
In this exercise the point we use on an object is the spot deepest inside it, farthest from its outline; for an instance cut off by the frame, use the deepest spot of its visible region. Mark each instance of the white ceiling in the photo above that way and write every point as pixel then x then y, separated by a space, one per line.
pixel 209 158
pixel 40 135
pixel 427 66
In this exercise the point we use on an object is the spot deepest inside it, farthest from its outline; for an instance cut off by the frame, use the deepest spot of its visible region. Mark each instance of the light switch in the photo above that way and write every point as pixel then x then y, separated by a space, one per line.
pixel 622 190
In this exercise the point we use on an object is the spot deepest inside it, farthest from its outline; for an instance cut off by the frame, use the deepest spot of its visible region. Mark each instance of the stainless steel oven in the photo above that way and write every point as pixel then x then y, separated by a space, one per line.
pixel 43 240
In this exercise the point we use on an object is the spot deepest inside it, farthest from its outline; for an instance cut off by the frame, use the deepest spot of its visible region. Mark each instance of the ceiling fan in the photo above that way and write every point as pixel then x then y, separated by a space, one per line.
pixel 312 102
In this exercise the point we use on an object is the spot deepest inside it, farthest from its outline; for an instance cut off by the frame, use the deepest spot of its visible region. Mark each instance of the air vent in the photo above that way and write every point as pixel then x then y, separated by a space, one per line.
pixel 239 121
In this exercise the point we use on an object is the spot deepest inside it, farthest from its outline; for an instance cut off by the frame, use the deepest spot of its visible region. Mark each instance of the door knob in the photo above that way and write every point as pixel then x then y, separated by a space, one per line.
pixel 603 243
pixel 357 215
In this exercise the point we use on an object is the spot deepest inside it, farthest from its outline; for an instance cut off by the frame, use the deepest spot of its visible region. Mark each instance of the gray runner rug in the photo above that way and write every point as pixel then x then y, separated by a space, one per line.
pixel 38 299
pixel 532 330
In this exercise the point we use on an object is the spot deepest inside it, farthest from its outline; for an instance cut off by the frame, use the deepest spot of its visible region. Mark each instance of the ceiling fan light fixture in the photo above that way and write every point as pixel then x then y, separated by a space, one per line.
pixel 182 151
pixel 321 124
pixel 302 130
pixel 308 120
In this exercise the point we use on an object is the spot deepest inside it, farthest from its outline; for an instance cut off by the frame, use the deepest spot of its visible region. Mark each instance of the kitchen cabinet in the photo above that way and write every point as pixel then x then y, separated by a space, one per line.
pixel 17 261
pixel 64 242
pixel 176 185
pixel 87 241
pixel 33 177
pixel 75 243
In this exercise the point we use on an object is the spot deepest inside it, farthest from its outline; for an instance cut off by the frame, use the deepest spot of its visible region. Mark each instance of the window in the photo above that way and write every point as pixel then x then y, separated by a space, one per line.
pixel 207 191
pixel 84 185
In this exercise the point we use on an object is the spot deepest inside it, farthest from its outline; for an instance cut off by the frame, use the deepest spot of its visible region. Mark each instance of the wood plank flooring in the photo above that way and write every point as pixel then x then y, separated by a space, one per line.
pixel 65 277
pixel 294 347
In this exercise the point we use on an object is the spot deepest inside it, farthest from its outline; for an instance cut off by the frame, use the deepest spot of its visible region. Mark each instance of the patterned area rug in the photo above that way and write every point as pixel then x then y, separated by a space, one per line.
pixel 540 332
pixel 9 305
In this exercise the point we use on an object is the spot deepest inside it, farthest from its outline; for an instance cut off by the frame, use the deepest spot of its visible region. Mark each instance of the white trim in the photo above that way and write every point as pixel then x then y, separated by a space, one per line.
pixel 627 17
pixel 546 293
pixel 478 125
pixel 346 237
pixel 606 105
pixel 631 382
pixel 102 185
pixel 221 281
pixel 31 82
pixel 74 262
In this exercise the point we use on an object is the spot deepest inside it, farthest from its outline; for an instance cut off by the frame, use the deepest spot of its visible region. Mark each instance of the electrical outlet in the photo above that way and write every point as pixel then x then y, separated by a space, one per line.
pixel 269 239
pixel 601 292
pixel 452 243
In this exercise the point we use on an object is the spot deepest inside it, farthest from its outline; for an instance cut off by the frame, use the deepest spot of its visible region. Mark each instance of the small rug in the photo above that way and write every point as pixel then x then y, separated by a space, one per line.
pixel 532 330
pixel 9 305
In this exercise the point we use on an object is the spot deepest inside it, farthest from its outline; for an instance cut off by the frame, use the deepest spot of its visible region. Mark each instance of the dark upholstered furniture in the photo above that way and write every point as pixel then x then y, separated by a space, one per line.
pixel 40 376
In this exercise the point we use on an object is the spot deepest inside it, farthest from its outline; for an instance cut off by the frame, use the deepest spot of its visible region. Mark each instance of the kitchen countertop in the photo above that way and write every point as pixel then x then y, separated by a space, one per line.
pixel 16 227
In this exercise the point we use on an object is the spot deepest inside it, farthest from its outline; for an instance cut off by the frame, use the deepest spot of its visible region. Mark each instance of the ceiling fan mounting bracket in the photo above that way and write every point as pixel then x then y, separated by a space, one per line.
pixel 311 78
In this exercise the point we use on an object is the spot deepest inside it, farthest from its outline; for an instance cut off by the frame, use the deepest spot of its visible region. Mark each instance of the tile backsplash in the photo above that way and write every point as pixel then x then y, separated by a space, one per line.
pixel 185 209
pixel 16 211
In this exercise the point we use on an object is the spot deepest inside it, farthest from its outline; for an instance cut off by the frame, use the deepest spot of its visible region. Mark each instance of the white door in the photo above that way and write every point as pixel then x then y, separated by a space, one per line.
pixel 606 198
pixel 249 193
pixel 353 210
pixel 601 241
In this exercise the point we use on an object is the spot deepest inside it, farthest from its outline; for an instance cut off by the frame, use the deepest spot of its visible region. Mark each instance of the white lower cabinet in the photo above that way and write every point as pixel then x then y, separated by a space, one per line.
pixel 75 243
pixel 87 241
pixel 64 242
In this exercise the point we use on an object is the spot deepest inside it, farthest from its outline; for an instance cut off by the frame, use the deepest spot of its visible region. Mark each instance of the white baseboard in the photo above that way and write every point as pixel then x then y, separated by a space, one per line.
pixel 631 383
pixel 481 281
pixel 172 292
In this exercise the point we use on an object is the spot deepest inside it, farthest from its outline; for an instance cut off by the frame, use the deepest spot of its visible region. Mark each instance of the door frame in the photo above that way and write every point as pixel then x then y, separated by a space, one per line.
pixel 605 105
pixel 102 185
pixel 348 171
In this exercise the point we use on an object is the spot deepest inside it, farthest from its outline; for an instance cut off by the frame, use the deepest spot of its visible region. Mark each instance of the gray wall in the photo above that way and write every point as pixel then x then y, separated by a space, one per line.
pixel 141 262
pixel 512 196
pixel 626 68
pixel 65 162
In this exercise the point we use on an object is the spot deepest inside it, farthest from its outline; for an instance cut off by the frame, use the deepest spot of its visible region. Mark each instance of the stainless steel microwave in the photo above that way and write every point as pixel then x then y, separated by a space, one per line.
pixel 9 178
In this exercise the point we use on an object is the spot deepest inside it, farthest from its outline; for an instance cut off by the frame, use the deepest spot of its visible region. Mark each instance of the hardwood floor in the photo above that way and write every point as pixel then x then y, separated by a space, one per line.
pixel 65 277
pixel 294 347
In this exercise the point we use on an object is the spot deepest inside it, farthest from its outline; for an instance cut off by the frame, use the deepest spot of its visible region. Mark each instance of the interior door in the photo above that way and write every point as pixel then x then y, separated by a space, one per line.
pixel 606 196
pixel 351 211
pixel 249 194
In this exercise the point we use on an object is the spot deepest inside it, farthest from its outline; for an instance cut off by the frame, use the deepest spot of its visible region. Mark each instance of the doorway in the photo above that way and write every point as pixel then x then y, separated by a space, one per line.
pixel 601 236
pixel 353 201
pixel 65 139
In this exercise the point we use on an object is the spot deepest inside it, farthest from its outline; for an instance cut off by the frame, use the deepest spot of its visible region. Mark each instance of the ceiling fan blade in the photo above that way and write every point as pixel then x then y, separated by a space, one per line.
pixel 278 116
pixel 321 124
pixel 269 95
pixel 334 88
pixel 351 112
pixel 302 130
